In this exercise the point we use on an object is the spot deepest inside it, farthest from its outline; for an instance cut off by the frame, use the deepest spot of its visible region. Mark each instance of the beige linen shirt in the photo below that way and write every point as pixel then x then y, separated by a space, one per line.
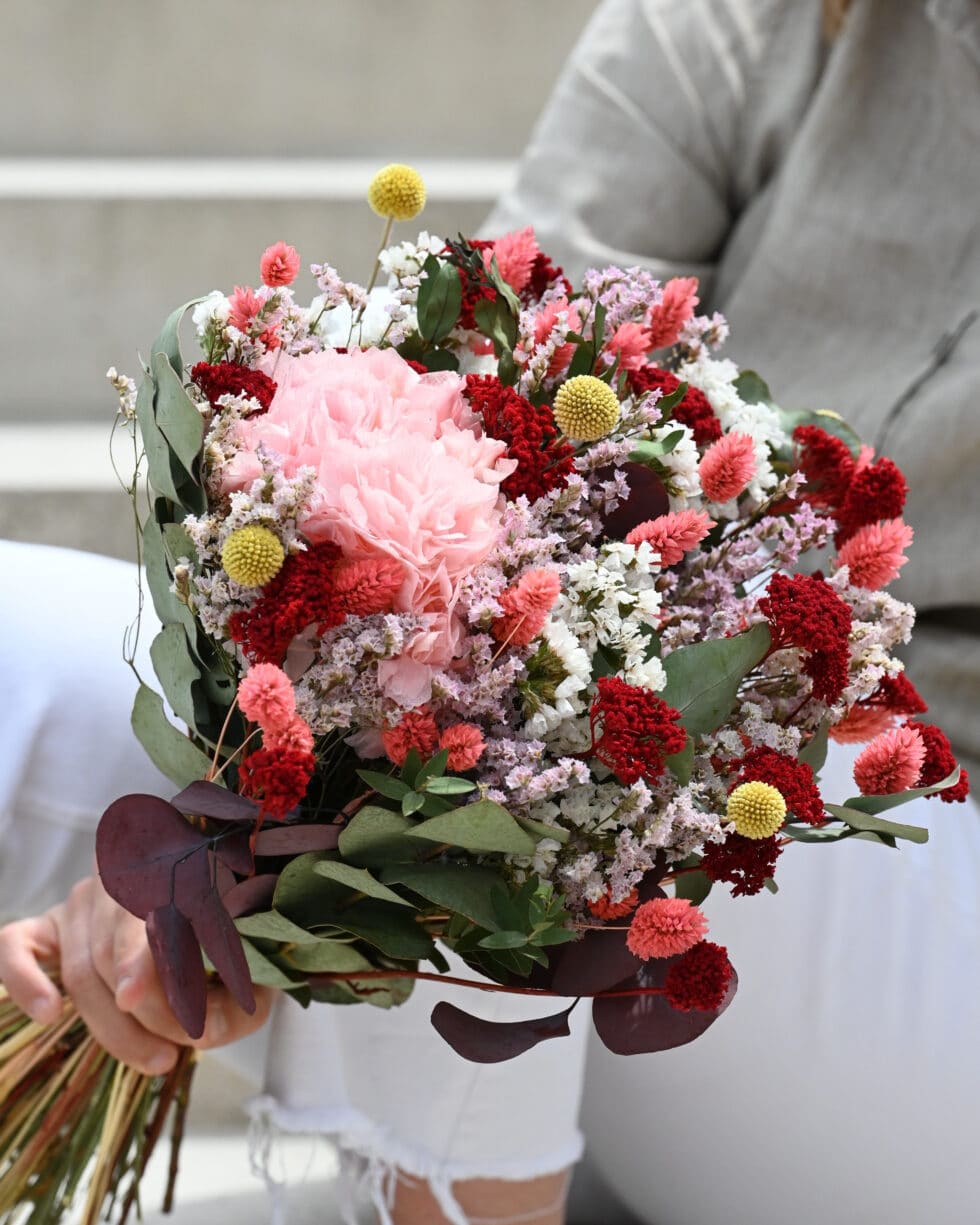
pixel 828 199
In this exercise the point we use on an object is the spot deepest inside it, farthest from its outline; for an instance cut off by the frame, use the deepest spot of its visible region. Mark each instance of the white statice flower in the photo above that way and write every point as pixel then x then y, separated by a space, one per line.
pixel 405 259
pixel 576 664
pixel 211 312
pixel 681 463
pixel 125 389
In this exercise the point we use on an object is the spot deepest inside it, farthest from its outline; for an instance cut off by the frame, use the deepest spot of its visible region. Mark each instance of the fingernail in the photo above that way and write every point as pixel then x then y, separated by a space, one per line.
pixel 124 985
pixel 159 1064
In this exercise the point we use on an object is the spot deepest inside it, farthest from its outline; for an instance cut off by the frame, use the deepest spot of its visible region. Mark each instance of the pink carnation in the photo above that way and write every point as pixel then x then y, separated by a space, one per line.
pixel 664 927
pixel 892 762
pixel 465 744
pixel 295 737
pixel 279 265
pixel 526 606
pixel 631 342
pixel 672 535
pixel 416 730
pixel 244 305
pixel 515 254
pixel 266 696
pixel 875 553
pixel 403 471
pixel 675 308
pixel 727 467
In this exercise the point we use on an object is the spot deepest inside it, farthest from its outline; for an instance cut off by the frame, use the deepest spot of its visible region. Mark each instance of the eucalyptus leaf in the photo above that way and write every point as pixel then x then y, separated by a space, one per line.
pixel 440 298
pixel 157 449
pixel 358 879
pixel 867 823
pixel 752 389
pixel 264 972
pixel 327 957
pixel 449 786
pixel 703 678
pixel 539 829
pixel 271 925
pixel 496 321
pixel 177 417
pixel 176 671
pixel 694 886
pixel 881 803
pixel 393 931
pixel 377 836
pixel 462 889
pixel 169 749
pixel 483 826
pixel 681 764
pixel 168 341
pixel 504 940
pixel 669 402
pixel 178 543
pixel 814 753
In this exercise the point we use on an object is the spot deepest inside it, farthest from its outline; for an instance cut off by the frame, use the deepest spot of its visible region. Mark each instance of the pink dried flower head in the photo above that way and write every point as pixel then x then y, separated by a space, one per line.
pixel 727 467
pixel 417 730
pixel 465 744
pixel 875 553
pixel 369 585
pixel 266 696
pixel 664 927
pixel 279 265
pixel 515 254
pixel 673 535
pixel 675 308
pixel 244 304
pixel 526 606
pixel 545 320
pixel 630 343
pixel 892 762
pixel 296 736
pixel 861 724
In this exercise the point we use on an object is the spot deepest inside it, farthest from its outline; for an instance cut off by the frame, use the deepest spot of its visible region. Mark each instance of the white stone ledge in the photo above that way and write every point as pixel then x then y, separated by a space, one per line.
pixel 92 178
pixel 57 457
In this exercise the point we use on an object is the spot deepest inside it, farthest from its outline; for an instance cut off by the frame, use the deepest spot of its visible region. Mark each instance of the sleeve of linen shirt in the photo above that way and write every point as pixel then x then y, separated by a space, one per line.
pixel 668 116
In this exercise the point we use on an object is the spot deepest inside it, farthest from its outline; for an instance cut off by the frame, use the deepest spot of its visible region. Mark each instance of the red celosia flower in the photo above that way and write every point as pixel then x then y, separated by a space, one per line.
pixel 876 492
pixel 301 594
pixel 727 467
pixel 544 276
pixel 369 585
pixel 230 379
pixel 699 980
pixel 474 290
pixel 694 410
pixel 674 534
pixel 526 606
pixel 898 695
pixel 665 927
pixel 465 744
pixel 827 464
pixel 746 863
pixel 940 762
pixel 891 763
pixel 530 433
pixel 416 730
pixel 605 908
pixel 792 779
pixel 277 778
pixel 279 264
pixel 639 730
pixel 805 612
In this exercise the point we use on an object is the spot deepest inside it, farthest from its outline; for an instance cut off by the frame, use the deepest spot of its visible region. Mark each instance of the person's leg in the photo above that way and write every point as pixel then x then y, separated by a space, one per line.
pixel 485 1201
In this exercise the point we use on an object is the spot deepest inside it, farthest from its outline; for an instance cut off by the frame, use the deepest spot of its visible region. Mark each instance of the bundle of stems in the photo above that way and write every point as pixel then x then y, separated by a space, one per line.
pixel 76 1122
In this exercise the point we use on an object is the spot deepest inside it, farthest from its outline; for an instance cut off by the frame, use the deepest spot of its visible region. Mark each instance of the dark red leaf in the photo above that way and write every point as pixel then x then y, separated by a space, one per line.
pixel 148 855
pixel 494 1041
pixel 296 839
pixel 235 850
pixel 639 1024
pixel 250 895
pixel 204 799
pixel 595 963
pixel 219 938
pixel 647 500
pixel 180 966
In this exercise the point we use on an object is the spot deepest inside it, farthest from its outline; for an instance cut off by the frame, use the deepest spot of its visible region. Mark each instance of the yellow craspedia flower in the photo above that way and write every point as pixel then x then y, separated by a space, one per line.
pixel 252 556
pixel 757 809
pixel 397 191
pixel 586 408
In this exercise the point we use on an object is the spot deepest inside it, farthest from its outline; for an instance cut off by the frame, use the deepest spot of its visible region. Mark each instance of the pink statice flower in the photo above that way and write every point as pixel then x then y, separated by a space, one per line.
pixel 672 535
pixel 526 606
pixel 727 467
pixel 279 265
pixel 402 471
pixel 664 927
pixel 875 553
pixel 667 319
pixel 243 307
pixel 465 744
pixel 892 762
pixel 266 697
pixel 630 343
pixel 515 254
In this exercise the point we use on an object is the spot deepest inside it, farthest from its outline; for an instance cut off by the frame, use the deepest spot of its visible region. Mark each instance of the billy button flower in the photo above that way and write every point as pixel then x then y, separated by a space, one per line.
pixel 252 556
pixel 397 193
pixel 586 408
pixel 756 809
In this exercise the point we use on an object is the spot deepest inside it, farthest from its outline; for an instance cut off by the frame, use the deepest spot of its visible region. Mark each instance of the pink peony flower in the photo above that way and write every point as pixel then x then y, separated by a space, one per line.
pixel 727 467
pixel 674 534
pixel 631 342
pixel 515 254
pixel 416 730
pixel 892 762
pixel 465 744
pixel 675 308
pixel 526 606
pixel 279 265
pixel 295 737
pixel 266 696
pixel 875 553
pixel 664 927
pixel 244 305
pixel 403 472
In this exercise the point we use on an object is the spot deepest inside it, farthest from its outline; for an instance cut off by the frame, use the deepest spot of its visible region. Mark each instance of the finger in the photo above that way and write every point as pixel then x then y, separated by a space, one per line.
pixel 227 1022
pixel 23 946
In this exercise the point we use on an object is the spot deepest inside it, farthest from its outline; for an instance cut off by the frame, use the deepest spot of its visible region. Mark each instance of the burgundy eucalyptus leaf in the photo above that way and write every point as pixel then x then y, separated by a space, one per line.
pixel 216 931
pixel 595 963
pixel 647 500
pixel 224 879
pixel 251 895
pixel 204 799
pixel 296 839
pixel 149 855
pixel 235 850
pixel 494 1041
pixel 181 968
pixel 640 1024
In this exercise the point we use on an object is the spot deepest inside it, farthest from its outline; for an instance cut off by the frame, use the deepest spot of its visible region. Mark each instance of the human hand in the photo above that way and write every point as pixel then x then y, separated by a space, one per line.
pixel 107 969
